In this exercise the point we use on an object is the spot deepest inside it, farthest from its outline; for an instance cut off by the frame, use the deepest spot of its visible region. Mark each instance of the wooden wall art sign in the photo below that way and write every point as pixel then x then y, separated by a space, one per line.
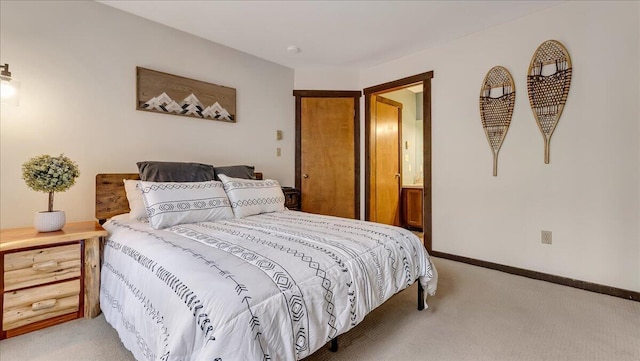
pixel 171 94
pixel 548 82
pixel 497 98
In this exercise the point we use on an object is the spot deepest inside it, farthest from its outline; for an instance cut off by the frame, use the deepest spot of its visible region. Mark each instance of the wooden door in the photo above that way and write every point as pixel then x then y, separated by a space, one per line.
pixel 386 161
pixel 327 166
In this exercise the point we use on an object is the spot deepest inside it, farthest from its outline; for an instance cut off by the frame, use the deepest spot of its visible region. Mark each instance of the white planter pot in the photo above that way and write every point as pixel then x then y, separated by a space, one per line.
pixel 49 221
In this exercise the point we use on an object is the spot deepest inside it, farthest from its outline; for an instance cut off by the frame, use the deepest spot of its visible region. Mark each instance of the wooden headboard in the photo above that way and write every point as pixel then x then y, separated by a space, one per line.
pixel 111 198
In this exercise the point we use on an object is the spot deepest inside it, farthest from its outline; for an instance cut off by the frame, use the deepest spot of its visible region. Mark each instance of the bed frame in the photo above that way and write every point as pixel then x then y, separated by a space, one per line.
pixel 111 200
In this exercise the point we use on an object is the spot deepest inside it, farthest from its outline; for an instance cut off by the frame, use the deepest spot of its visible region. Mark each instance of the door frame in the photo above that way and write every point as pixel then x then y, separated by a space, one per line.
pixel 425 79
pixel 355 94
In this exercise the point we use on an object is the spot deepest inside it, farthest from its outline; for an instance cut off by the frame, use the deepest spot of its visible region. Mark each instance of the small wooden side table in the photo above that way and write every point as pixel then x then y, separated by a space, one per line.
pixel 49 278
pixel 291 198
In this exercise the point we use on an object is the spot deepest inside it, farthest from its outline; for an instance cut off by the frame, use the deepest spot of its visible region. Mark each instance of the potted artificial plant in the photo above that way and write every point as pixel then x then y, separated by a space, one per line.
pixel 50 174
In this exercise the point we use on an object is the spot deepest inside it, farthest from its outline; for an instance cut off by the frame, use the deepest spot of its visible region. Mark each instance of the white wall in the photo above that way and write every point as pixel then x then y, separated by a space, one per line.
pixel 76 62
pixel 326 79
pixel 588 196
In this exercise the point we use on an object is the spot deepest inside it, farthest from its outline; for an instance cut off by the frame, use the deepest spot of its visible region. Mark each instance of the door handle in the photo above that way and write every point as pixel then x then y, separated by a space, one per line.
pixel 305 176
pixel 42 305
pixel 397 175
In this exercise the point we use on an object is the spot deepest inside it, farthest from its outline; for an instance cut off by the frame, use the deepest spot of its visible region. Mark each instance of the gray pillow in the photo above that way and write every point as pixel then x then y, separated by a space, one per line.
pixel 236 171
pixel 175 172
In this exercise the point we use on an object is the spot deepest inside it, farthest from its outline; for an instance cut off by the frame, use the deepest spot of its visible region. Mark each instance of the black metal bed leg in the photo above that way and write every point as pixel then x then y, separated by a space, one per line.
pixel 420 297
pixel 334 345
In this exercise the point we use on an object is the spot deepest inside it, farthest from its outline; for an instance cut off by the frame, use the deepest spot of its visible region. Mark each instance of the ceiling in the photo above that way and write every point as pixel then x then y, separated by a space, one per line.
pixel 330 34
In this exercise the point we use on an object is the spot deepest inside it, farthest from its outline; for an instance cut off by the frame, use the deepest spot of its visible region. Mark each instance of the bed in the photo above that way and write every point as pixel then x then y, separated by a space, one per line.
pixel 274 285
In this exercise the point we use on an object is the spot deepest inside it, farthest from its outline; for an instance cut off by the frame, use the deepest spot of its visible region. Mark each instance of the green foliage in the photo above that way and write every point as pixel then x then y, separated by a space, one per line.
pixel 50 174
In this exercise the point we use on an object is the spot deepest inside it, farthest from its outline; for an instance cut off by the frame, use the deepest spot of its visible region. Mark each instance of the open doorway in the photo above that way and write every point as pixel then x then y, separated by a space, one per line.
pixel 397 180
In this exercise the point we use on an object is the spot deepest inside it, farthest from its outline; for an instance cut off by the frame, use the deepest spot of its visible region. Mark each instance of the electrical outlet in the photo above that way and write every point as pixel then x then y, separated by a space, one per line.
pixel 278 152
pixel 546 237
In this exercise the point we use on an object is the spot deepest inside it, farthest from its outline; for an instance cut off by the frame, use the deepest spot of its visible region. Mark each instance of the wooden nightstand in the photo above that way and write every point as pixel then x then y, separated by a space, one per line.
pixel 49 278
pixel 291 198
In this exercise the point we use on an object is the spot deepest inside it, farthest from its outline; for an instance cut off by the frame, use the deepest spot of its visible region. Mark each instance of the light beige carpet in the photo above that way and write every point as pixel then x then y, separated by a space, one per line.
pixel 478 314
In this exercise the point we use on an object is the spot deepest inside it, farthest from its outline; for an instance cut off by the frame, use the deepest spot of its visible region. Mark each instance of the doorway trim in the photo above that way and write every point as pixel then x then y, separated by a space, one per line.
pixel 355 94
pixel 425 79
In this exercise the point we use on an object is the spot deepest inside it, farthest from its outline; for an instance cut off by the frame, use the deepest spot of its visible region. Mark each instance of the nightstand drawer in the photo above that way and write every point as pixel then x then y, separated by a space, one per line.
pixel 40 266
pixel 31 305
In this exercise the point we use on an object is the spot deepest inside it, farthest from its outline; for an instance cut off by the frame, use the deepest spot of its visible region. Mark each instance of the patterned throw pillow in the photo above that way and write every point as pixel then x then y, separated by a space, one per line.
pixel 172 203
pixel 136 202
pixel 249 197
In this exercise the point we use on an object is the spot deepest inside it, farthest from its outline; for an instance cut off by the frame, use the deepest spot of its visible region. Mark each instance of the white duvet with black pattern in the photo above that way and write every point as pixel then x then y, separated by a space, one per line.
pixel 275 286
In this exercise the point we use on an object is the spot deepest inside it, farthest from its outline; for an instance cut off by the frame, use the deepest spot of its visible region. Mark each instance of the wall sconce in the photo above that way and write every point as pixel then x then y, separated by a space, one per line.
pixel 7 90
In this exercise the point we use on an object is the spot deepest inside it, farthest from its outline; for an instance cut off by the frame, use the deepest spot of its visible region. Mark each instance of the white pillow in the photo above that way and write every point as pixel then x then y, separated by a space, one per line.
pixel 172 203
pixel 136 202
pixel 249 197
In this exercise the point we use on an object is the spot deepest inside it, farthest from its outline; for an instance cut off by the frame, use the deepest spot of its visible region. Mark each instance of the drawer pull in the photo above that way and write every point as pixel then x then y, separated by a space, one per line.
pixel 45 266
pixel 36 306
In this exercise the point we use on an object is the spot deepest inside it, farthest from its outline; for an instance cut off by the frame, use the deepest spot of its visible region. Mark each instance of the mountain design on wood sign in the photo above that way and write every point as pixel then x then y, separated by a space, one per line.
pixel 190 105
